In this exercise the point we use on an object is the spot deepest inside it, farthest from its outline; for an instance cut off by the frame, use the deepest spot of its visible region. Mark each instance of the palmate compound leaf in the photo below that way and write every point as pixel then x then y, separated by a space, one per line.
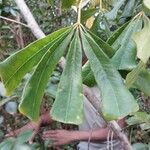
pixel 68 105
pixel 142 40
pixel 117 101
pixel 34 89
pixel 125 56
pixel 13 69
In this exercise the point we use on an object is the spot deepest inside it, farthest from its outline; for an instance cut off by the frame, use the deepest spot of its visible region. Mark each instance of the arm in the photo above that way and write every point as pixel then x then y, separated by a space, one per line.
pixel 97 134
pixel 62 137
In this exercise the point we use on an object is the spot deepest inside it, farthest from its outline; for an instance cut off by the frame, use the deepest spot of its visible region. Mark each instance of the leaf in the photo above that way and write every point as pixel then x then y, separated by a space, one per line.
pixel 127 11
pixel 86 14
pixel 142 39
pixel 8 144
pixel 133 75
pixel 113 13
pixel 13 69
pixel 116 34
pixel 68 3
pixel 34 89
pixel 87 75
pixel 107 49
pixel 24 136
pixel 17 143
pixel 114 93
pixel 95 27
pixel 68 105
pixel 138 118
pixel 146 3
pixel 125 56
pixel 143 82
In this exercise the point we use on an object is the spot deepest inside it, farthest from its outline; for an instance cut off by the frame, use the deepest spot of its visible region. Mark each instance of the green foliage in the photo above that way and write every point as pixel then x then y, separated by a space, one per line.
pixel 109 81
pixel 139 118
pixel 133 75
pixel 143 82
pixel 68 3
pixel 14 68
pixel 143 45
pixel 147 3
pixel 19 142
pixel 31 98
pixel 105 58
pixel 68 106
pixel 125 56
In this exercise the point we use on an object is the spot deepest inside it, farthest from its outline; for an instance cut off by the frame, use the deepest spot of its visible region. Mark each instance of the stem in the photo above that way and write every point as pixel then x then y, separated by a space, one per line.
pixel 79 12
pixel 7 100
pixel 100 5
pixel 11 20
pixel 33 25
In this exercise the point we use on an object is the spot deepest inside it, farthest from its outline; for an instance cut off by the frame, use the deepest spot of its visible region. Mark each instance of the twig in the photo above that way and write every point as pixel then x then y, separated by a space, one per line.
pixel 79 12
pixel 11 20
pixel 7 99
pixel 37 32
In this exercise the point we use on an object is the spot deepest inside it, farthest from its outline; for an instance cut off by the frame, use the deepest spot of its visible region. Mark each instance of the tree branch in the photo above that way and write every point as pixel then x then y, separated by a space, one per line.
pixel 11 20
pixel 86 90
pixel 37 32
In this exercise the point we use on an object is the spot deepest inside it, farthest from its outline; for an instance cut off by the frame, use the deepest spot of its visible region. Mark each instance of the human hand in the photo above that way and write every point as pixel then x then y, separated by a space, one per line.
pixel 59 137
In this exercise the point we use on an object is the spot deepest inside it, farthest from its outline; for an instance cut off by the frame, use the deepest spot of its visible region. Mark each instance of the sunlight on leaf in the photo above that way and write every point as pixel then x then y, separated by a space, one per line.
pixel 142 40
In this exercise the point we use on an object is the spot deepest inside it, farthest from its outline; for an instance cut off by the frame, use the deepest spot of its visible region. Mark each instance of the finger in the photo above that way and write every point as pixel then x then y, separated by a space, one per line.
pixel 33 136
pixel 50 136
pixel 50 132
pixel 10 134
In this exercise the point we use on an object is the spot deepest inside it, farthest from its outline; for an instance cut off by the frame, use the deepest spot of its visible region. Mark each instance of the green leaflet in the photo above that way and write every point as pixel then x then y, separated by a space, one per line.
pixel 143 82
pixel 13 69
pixel 116 34
pixel 133 75
pixel 125 56
pixel 67 3
pixel 86 14
pixel 108 50
pixel 138 118
pixel 114 93
pixel 68 105
pixel 142 40
pixel 146 4
pixel 95 27
pixel 87 74
pixel 34 89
